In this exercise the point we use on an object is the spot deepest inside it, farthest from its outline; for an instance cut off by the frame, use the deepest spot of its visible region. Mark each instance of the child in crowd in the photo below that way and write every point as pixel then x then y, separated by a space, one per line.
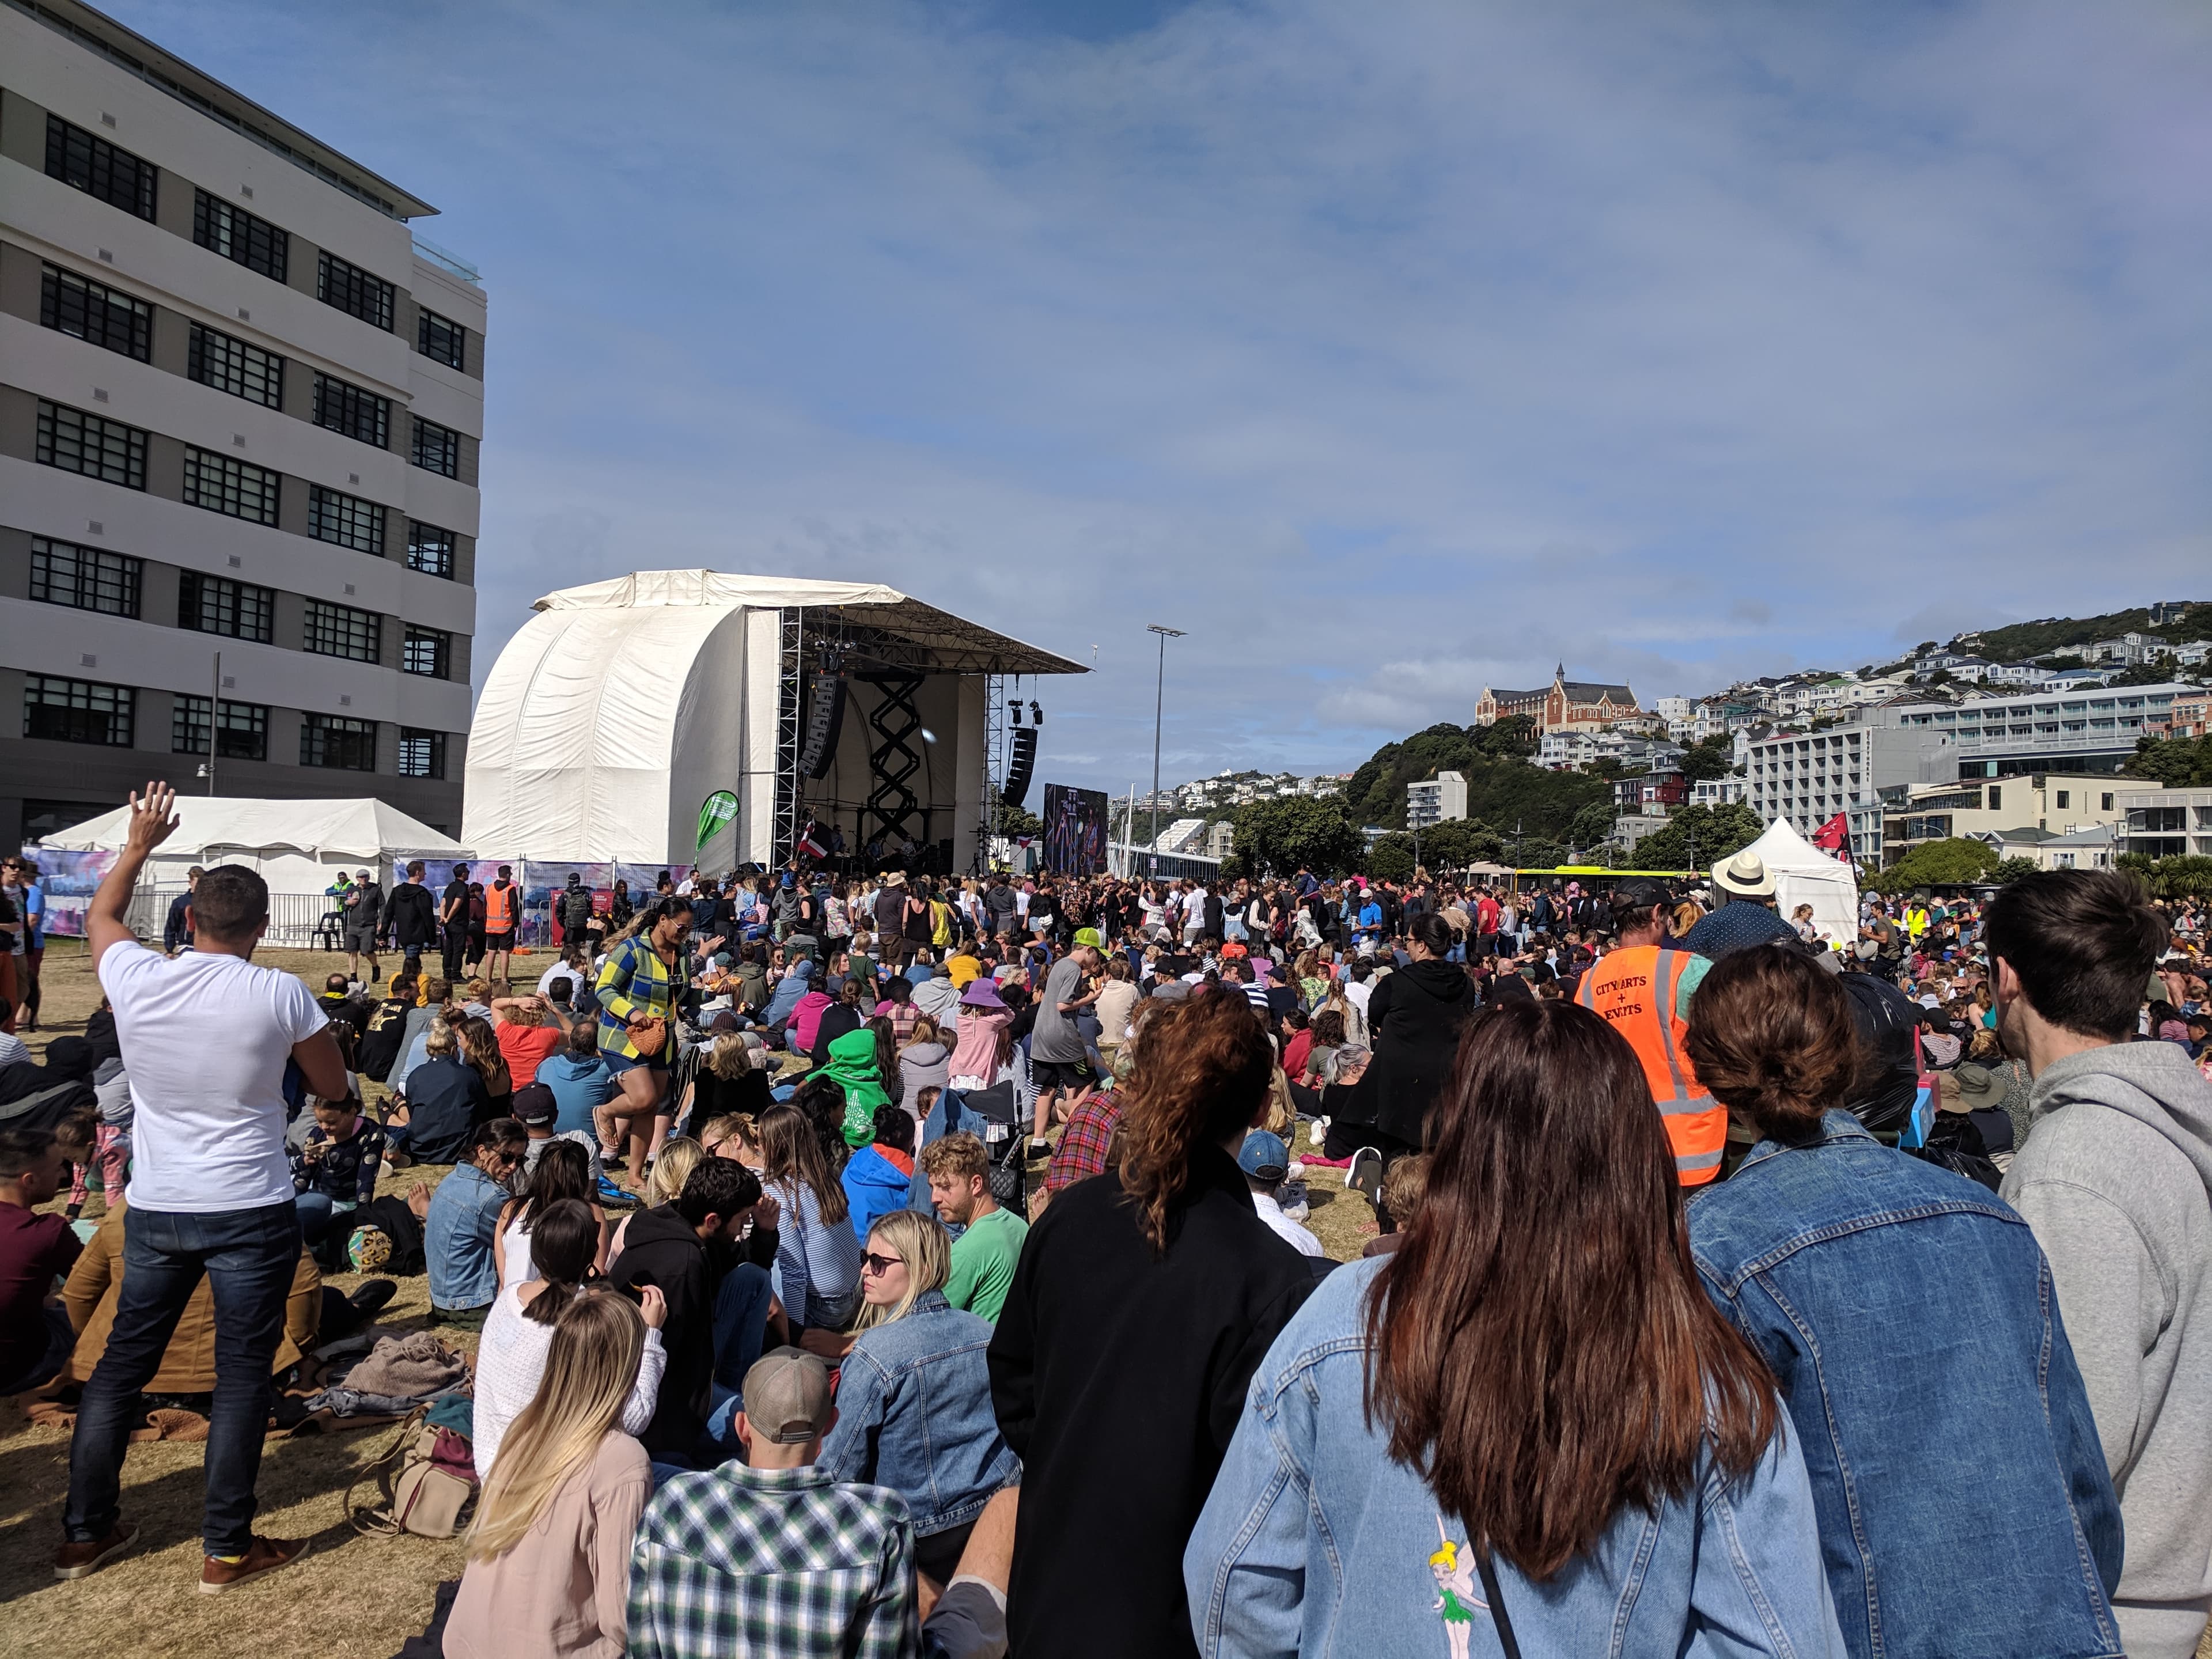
pixel 334 1171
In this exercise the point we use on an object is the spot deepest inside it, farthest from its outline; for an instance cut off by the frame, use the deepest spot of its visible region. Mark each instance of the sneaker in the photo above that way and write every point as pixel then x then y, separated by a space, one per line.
pixel 1292 1197
pixel 264 1556
pixel 1364 1173
pixel 81 1560
pixel 1319 1133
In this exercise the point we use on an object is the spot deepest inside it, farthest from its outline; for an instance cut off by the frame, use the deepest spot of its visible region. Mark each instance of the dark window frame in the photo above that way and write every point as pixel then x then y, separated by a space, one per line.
pixel 353 411
pixel 432 645
pixel 344 631
pixel 116 585
pixel 66 433
pixel 441 339
pixel 107 172
pixel 429 746
pixel 347 287
pixel 242 735
pixel 227 363
pixel 442 444
pixel 66 296
pixel 221 604
pixel 241 488
pixel 437 554
pixel 48 720
pixel 338 742
pixel 231 232
pixel 344 521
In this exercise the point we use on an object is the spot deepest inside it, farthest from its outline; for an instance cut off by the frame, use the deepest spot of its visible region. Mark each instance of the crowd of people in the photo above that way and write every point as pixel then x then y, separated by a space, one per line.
pixel 904 1265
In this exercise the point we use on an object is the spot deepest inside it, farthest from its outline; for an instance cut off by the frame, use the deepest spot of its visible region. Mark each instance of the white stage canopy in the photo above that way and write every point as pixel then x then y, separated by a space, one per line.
pixel 296 846
pixel 1804 874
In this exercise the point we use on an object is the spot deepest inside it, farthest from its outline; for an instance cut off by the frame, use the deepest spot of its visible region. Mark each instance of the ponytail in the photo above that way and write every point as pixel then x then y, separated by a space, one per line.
pixel 1201 1075
pixel 564 1242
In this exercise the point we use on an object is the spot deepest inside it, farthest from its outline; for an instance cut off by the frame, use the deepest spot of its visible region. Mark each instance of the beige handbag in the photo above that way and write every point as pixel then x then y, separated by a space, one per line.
pixel 432 1482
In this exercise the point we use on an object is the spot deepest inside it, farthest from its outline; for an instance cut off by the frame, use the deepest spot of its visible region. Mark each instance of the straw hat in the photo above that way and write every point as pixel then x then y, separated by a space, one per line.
pixel 1747 876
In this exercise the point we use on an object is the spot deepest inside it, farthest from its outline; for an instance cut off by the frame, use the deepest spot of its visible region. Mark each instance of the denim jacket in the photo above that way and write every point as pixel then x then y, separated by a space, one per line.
pixel 1315 1541
pixel 913 1414
pixel 457 1236
pixel 1910 1318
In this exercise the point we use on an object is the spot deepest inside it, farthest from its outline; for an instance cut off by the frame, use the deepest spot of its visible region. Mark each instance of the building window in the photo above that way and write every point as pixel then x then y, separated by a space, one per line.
pixel 233 366
pixel 335 740
pixel 355 291
pixel 427 651
pixel 84 578
pixel 98 168
pixel 354 411
pixel 429 549
pixel 339 630
pixel 422 754
pixel 215 605
pixel 77 711
pixel 237 235
pixel 2062 799
pixel 77 442
pixel 346 520
pixel 96 313
pixel 437 447
pixel 242 735
pixel 442 338
pixel 223 485
pixel 2107 806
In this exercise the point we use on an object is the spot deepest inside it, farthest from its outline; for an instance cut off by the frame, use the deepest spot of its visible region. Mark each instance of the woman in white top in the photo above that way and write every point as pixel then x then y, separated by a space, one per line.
pixel 563 1171
pixel 518 1330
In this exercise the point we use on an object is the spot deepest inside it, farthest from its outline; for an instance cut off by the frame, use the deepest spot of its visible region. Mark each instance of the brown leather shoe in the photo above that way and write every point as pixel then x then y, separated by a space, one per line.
pixel 263 1557
pixel 81 1560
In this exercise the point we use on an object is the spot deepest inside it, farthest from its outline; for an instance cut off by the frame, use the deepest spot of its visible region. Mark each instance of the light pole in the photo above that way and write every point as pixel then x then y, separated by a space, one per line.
pixel 1159 704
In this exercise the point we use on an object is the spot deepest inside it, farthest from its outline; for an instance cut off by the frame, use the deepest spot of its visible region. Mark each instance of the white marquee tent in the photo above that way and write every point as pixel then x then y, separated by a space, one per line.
pixel 1804 874
pixel 297 845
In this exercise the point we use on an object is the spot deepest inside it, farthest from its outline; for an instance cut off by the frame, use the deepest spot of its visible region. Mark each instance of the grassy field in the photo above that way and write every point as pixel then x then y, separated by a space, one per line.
pixel 353 1597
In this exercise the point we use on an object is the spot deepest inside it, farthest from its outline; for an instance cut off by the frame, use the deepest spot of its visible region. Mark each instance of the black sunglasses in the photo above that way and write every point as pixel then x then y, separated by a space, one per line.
pixel 881 1264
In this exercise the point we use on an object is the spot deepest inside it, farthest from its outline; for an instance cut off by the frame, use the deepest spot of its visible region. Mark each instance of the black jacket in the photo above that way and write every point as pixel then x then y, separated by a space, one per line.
pixel 410 915
pixel 1118 1377
pixel 381 1035
pixel 660 1247
pixel 1414 1018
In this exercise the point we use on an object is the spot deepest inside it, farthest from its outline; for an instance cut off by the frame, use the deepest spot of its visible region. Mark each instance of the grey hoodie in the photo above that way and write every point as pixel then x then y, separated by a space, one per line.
pixel 2116 1180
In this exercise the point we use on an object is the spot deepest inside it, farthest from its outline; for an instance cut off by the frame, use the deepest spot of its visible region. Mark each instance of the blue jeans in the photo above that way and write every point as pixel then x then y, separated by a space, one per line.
pixel 740 1332
pixel 249 1258
pixel 320 1216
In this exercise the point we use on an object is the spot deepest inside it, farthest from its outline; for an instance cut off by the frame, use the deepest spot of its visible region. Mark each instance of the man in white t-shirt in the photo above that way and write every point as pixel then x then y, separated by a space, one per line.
pixel 206 1036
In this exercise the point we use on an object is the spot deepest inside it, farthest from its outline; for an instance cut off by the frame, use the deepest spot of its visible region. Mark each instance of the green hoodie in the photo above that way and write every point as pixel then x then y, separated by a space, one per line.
pixel 852 1063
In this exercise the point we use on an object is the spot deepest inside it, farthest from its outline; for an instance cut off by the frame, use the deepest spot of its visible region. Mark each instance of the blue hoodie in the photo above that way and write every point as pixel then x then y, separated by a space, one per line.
pixel 874 1187
pixel 792 986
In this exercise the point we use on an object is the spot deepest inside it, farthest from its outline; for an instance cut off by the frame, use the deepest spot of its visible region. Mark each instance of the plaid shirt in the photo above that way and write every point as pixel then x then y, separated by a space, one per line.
pixel 1083 1149
pixel 635 981
pixel 785 1562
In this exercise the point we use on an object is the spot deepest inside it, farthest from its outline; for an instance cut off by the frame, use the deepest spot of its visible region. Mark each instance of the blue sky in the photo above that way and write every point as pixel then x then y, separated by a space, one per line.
pixel 1389 350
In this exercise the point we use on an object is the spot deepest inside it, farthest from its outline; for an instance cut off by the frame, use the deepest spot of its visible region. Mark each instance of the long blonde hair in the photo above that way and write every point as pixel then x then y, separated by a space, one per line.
pixel 679 1155
pixel 927 1248
pixel 589 1372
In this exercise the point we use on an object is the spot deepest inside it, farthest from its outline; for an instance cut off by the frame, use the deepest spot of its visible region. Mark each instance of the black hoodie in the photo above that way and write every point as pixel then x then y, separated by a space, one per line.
pixel 1414 1017
pixel 660 1247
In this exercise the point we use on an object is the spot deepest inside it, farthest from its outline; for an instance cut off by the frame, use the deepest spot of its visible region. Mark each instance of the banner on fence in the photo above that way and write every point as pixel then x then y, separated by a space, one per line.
pixel 69 881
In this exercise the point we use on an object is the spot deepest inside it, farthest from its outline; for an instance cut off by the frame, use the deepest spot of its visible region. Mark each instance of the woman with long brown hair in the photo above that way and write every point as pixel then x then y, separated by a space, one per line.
pixel 1529 1417
pixel 818 1258
pixel 1143 1300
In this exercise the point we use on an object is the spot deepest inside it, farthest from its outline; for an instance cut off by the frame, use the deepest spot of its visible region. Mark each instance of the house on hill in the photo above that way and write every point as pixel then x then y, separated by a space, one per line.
pixel 1565 705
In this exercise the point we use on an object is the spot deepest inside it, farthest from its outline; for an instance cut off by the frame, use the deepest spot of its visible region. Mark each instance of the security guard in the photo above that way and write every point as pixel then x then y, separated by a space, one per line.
pixel 1642 988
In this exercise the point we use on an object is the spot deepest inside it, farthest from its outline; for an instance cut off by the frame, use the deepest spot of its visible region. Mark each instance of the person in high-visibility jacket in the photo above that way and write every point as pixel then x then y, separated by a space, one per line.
pixel 502 911
pixel 1642 988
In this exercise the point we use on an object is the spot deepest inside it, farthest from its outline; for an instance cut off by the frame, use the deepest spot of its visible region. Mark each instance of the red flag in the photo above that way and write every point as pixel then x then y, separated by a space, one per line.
pixel 1833 836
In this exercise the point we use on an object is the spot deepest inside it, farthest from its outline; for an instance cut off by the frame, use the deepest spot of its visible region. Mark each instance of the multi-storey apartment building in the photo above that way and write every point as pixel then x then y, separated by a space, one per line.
pixel 239 412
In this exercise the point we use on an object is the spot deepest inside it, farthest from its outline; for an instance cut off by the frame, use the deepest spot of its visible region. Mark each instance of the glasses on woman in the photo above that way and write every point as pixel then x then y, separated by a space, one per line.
pixel 880 1265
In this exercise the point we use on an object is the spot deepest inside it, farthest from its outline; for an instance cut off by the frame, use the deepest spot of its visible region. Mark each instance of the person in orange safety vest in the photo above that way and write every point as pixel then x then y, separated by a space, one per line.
pixel 1642 988
pixel 502 911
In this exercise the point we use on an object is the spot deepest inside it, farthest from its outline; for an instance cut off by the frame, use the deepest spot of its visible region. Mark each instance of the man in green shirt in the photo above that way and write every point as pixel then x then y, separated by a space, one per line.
pixel 983 1257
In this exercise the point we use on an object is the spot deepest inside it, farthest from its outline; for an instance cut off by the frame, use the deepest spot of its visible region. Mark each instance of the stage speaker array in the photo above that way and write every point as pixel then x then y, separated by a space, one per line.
pixel 826 718
pixel 1023 763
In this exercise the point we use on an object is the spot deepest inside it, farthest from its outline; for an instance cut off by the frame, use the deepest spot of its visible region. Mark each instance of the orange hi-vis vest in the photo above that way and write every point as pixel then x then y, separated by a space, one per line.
pixel 1634 989
pixel 499 908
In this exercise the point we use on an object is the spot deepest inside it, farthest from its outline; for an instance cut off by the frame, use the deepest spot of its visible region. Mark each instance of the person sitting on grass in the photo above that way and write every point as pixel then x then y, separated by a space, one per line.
pixel 445 1098
pixel 518 1331
pixel 550 1548
pixel 913 1393
pixel 580 1080
pixel 1266 1162
pixel 35 1335
pixel 564 1172
pixel 880 1176
pixel 462 1222
pixel 990 1244
pixel 334 1171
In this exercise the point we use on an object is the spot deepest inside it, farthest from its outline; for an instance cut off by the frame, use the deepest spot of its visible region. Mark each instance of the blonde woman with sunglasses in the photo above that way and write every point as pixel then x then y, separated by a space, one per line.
pixel 914 1398
pixel 549 1549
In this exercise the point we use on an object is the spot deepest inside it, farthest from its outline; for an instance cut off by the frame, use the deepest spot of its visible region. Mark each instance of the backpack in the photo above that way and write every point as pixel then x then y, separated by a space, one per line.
pixel 575 909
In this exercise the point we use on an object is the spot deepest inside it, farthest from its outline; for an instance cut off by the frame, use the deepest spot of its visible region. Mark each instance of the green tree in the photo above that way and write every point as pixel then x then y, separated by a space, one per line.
pixel 1513 737
pixel 1699 837
pixel 1278 835
pixel 1949 863
pixel 1709 758
pixel 1593 826
pixel 2173 763
pixel 2009 869
pixel 1010 820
